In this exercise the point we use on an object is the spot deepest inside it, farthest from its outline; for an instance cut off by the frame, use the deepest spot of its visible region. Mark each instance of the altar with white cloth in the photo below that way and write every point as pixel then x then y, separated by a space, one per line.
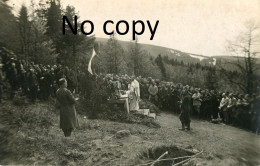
pixel 130 98
pixel 124 96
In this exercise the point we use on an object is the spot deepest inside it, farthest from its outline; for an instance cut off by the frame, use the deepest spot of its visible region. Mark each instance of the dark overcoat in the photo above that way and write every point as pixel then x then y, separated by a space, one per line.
pixel 66 104
pixel 186 107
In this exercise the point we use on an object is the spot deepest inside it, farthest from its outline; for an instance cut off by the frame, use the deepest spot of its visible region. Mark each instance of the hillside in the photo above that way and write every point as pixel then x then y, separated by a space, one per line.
pixel 177 54
pixel 30 135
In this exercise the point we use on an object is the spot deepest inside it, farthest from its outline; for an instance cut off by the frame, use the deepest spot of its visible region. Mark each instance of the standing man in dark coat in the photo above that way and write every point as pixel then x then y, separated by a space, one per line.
pixel 174 100
pixel 153 92
pixel 33 85
pixel 66 103
pixel 46 84
pixel 186 107
pixel 24 85
pixel 12 74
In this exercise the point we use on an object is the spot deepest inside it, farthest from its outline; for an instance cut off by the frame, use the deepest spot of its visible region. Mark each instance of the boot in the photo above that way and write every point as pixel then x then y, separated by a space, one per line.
pixel 188 126
pixel 183 127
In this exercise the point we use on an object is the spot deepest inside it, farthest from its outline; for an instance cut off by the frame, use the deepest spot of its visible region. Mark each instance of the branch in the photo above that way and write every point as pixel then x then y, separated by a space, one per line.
pixel 160 158
pixel 255 53
pixel 187 159
pixel 241 86
pixel 256 69
pixel 153 162
pixel 240 46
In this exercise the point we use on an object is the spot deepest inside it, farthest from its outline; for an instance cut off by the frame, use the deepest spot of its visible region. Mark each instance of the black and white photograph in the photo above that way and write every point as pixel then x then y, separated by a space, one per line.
pixel 130 82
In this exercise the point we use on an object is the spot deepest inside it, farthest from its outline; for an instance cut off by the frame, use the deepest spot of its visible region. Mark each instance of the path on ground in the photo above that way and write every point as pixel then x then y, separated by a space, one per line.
pixel 228 143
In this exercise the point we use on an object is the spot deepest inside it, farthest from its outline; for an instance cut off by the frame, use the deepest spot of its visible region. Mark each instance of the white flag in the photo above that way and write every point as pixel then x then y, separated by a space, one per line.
pixel 89 64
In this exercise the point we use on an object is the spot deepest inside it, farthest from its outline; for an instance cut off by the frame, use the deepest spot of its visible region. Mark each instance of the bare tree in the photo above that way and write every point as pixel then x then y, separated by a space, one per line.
pixel 245 51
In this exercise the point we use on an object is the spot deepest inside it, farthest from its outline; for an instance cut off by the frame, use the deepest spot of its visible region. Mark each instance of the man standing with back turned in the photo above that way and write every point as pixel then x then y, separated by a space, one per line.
pixel 66 103
pixel 186 107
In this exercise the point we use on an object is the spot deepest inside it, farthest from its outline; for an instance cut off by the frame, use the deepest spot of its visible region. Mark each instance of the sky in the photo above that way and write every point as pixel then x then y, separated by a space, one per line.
pixel 193 26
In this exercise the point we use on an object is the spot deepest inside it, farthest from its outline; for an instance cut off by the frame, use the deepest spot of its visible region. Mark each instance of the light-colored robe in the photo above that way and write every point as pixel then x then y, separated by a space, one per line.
pixel 134 95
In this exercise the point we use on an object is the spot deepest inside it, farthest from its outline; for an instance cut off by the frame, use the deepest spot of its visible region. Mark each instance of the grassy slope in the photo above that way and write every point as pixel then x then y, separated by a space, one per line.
pixel 31 135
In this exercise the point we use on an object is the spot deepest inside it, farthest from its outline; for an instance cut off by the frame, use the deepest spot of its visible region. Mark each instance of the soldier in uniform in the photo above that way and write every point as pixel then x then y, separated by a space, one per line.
pixel 238 110
pixel 153 91
pixel 186 107
pixel 205 110
pixel 160 97
pixel 231 107
pixel 46 84
pixel 214 105
pixel 223 107
pixel 23 78
pixel 12 75
pixel 53 85
pixel 33 85
pixel 175 100
pixel 66 104
pixel 41 80
pixel 145 88
pixel 196 101
pixel 166 97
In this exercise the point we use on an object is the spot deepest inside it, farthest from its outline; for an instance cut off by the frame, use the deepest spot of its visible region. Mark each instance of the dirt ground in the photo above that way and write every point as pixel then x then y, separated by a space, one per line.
pixel 30 142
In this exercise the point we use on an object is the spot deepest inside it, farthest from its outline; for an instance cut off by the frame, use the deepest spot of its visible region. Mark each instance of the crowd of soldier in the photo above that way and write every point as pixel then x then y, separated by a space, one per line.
pixel 235 109
pixel 33 80
pixel 40 82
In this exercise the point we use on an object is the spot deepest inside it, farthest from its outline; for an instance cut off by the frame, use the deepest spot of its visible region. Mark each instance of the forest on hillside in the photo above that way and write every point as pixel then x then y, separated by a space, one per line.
pixel 35 35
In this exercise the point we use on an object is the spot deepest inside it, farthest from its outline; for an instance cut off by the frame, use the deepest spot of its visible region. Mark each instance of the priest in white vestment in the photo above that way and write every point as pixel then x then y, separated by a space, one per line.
pixel 134 95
